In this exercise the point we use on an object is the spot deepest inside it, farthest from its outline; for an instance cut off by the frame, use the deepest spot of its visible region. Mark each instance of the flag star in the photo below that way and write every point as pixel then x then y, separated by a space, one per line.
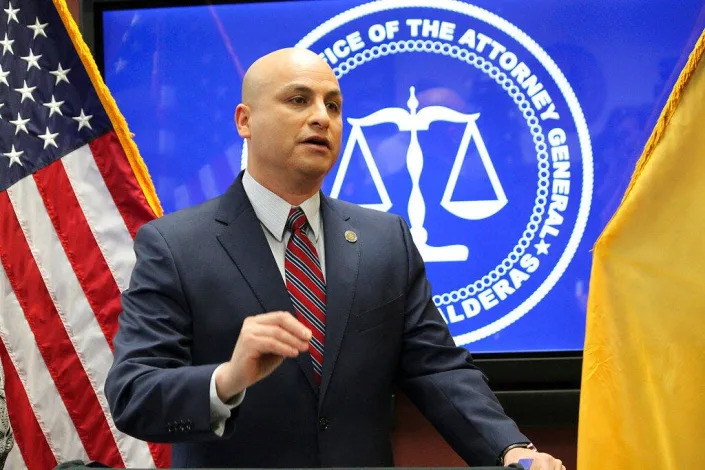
pixel 54 106
pixel 26 91
pixel 3 76
pixel 542 248
pixel 11 13
pixel 38 28
pixel 32 60
pixel 48 138
pixel 7 45
pixel 14 156
pixel 82 120
pixel 20 124
pixel 60 74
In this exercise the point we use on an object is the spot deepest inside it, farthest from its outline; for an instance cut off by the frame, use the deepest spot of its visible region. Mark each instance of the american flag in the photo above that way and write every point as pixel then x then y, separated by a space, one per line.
pixel 73 192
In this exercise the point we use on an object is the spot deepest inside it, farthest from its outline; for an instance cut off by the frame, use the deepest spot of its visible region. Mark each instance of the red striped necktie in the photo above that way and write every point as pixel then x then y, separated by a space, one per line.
pixel 306 286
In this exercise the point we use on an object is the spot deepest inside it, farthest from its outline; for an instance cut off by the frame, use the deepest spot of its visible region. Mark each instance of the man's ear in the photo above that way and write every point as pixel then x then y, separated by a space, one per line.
pixel 242 120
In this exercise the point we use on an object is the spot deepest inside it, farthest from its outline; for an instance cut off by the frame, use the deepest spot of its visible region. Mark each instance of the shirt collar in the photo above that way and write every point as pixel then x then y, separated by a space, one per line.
pixel 272 211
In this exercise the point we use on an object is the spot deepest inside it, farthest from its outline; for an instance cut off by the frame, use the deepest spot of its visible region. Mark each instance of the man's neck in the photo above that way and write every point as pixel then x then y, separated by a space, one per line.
pixel 294 194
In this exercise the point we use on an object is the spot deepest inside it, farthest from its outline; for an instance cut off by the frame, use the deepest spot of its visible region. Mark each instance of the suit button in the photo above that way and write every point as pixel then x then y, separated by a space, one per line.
pixel 323 424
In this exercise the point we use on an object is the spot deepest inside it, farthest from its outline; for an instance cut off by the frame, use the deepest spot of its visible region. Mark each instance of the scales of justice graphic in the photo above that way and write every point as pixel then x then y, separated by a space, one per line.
pixel 413 122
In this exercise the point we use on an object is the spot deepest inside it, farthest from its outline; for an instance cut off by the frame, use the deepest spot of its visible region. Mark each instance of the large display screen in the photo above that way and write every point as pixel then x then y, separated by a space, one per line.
pixel 505 132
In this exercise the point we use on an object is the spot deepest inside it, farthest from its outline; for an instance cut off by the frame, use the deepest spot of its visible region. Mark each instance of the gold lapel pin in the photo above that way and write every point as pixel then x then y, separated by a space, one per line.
pixel 350 236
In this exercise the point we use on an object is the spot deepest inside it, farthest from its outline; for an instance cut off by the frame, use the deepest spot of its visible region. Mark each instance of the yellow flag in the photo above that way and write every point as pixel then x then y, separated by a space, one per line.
pixel 643 382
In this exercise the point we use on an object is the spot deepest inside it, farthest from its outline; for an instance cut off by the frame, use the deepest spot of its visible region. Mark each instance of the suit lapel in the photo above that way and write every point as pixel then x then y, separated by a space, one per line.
pixel 246 245
pixel 342 264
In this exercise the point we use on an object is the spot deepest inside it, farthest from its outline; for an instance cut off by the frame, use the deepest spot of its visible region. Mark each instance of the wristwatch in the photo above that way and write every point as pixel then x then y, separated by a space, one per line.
pixel 524 445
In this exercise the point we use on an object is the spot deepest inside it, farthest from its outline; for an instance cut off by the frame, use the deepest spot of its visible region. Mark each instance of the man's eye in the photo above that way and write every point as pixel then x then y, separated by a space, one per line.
pixel 333 106
pixel 298 100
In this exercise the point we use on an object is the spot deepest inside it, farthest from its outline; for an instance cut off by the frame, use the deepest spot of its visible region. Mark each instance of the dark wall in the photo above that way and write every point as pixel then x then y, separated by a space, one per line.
pixel 73 7
pixel 417 443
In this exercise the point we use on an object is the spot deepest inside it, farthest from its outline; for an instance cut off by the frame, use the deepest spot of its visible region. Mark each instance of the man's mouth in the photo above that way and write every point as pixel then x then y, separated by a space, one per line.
pixel 316 140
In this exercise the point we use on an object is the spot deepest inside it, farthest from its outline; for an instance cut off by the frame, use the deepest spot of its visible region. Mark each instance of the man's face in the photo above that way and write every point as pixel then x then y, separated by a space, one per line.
pixel 295 121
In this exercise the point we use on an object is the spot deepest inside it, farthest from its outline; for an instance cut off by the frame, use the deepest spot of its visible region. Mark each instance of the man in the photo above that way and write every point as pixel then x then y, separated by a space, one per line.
pixel 208 355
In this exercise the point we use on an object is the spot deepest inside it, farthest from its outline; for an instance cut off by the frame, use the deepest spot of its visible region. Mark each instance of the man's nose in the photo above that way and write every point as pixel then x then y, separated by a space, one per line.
pixel 319 114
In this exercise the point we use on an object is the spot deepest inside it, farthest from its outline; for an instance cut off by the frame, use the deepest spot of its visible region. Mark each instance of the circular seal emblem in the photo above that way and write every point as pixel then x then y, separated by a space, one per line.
pixel 461 123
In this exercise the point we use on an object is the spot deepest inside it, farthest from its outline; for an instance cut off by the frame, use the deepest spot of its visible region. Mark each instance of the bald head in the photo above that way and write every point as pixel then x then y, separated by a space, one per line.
pixel 271 68
pixel 291 118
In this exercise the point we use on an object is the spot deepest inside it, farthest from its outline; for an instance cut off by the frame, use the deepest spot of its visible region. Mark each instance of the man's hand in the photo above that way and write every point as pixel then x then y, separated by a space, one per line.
pixel 540 461
pixel 264 342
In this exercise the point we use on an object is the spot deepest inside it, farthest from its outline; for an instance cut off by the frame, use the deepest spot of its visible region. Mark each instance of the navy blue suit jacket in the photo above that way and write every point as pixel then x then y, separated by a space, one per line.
pixel 201 271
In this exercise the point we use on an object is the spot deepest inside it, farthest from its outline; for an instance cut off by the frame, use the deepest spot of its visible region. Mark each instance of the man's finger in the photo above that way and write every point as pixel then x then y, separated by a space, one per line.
pixel 280 334
pixel 270 345
pixel 285 320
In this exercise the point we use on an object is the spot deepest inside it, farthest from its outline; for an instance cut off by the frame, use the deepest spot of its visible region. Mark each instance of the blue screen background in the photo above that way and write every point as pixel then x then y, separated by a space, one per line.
pixel 176 76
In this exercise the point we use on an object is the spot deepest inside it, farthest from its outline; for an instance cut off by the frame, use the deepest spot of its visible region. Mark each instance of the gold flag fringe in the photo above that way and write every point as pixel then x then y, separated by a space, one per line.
pixel 116 118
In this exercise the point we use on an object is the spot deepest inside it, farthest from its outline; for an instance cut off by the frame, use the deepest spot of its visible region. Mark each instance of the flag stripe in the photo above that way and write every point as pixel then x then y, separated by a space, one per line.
pixel 104 220
pixel 121 182
pixel 160 454
pixel 115 243
pixel 81 325
pixel 25 428
pixel 66 236
pixel 41 394
pixel 54 335
pixel 81 249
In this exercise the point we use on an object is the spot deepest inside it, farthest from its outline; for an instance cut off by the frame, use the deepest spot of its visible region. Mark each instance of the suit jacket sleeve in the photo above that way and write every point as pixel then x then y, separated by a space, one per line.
pixel 154 391
pixel 442 380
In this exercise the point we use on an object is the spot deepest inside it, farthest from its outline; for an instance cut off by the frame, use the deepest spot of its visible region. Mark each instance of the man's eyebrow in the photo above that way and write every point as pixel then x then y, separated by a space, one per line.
pixel 297 88
pixel 303 89
pixel 334 94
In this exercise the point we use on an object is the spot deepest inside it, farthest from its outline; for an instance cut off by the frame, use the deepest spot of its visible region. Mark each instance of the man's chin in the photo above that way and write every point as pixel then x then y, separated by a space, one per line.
pixel 316 166
pixel 314 174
